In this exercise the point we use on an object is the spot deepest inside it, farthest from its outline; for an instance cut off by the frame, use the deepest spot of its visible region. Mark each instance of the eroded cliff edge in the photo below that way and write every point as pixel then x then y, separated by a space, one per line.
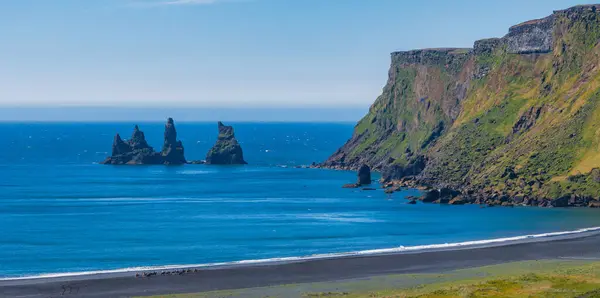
pixel 513 120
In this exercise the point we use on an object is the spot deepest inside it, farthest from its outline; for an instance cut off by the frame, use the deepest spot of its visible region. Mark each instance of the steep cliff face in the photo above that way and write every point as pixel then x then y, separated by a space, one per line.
pixel 419 102
pixel 519 116
pixel 530 37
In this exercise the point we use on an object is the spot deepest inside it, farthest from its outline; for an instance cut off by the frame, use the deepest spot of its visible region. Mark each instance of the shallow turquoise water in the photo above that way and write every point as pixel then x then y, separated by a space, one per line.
pixel 61 212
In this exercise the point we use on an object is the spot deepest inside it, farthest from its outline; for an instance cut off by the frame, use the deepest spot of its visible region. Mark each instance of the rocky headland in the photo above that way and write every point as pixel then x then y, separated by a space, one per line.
pixel 513 121
pixel 136 150
pixel 227 150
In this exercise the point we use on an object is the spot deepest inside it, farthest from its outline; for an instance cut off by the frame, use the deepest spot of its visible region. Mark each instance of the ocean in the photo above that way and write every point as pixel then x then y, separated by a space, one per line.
pixel 61 212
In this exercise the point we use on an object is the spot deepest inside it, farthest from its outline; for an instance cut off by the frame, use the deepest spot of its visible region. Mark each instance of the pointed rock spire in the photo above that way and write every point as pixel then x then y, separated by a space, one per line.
pixel 227 150
pixel 138 139
pixel 172 150
pixel 170 138
pixel 225 132
pixel 119 146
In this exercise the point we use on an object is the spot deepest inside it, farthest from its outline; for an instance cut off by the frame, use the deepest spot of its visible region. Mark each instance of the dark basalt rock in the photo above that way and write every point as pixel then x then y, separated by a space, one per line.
pixel 136 150
pixel 458 201
pixel 119 147
pixel 227 150
pixel 392 189
pixel 561 202
pixel 364 175
pixel 396 172
pixel 439 196
pixel 430 196
pixel 138 140
pixel 172 151
pixel 350 185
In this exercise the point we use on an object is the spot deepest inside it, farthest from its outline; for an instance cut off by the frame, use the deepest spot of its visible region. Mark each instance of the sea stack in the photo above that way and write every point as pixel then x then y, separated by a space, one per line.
pixel 227 150
pixel 172 150
pixel 364 175
pixel 136 150
pixel 364 178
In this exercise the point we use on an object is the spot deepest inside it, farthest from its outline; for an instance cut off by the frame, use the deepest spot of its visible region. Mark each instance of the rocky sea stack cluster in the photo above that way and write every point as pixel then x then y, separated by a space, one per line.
pixel 513 121
pixel 227 150
pixel 136 150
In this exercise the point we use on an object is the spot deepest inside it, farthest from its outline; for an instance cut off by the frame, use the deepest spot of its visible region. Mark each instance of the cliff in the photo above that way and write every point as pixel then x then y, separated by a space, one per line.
pixel 513 120
pixel 419 102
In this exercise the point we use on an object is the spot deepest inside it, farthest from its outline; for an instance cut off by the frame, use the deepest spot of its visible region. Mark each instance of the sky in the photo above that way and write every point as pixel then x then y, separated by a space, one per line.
pixel 227 54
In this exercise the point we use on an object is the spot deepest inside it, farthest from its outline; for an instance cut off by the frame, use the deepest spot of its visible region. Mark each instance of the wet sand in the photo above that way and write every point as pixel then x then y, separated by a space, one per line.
pixel 583 246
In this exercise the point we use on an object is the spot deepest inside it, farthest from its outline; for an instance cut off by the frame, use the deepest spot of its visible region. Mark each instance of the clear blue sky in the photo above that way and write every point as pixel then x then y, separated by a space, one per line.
pixel 258 53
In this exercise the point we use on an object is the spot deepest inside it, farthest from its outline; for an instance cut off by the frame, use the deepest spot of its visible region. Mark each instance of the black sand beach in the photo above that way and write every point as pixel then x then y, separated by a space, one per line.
pixel 584 246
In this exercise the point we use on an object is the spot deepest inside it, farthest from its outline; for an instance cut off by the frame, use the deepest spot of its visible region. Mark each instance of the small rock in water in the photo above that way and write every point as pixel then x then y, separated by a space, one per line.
pixel 364 175
pixel 351 185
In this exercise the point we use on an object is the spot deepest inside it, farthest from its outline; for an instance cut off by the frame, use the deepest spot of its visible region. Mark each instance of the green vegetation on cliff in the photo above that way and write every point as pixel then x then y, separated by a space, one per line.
pixel 516 116
pixel 419 101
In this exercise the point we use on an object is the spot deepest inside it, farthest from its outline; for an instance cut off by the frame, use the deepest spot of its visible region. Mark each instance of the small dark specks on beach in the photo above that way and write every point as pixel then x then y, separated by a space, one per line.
pixel 174 272
pixel 69 290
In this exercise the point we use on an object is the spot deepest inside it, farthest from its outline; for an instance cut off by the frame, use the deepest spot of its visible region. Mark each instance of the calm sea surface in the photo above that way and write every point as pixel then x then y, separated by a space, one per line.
pixel 60 211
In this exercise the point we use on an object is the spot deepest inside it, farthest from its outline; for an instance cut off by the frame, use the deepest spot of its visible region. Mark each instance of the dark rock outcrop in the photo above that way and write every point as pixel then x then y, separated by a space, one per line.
pixel 364 178
pixel 350 185
pixel 430 196
pixel 136 150
pixel 364 175
pixel 395 171
pixel 227 150
pixel 486 46
pixel 138 140
pixel 442 196
pixel 530 37
pixel 172 151
pixel 119 147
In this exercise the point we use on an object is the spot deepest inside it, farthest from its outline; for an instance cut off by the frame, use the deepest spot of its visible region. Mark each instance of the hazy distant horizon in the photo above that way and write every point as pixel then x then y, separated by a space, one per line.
pixel 182 114
pixel 229 52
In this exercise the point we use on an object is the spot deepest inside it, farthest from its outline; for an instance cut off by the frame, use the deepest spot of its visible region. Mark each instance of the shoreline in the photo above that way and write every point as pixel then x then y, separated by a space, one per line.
pixel 581 246
pixel 110 274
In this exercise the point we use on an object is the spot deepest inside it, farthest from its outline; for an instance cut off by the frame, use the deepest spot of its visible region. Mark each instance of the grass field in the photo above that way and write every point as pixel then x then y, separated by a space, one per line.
pixel 552 278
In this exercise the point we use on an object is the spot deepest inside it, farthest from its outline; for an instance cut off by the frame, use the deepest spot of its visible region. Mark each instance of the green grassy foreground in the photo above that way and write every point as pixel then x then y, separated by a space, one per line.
pixel 556 278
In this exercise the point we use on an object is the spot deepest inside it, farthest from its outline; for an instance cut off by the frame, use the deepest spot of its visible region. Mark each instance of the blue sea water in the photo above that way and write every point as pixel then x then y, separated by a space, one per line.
pixel 61 212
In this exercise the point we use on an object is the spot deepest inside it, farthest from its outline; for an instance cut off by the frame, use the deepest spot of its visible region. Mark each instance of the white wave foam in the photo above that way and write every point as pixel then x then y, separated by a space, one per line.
pixel 339 217
pixel 194 172
pixel 400 249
